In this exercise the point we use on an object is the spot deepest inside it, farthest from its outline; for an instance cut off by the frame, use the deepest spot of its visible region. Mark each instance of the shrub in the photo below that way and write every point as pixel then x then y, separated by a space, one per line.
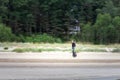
pixel 5 48
pixel 87 33
pixel 6 33
pixel 104 31
pixel 43 38
pixel 116 23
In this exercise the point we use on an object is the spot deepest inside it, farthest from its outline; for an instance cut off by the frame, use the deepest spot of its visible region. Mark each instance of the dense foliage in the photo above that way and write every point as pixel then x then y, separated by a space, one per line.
pixel 6 34
pixel 105 30
pixel 99 20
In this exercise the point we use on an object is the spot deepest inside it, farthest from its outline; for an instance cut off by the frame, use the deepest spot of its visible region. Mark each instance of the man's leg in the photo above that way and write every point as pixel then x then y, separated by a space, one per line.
pixel 73 51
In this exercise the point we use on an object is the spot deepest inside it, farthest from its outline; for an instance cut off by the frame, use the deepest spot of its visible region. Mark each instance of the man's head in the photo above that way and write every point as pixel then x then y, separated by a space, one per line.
pixel 73 41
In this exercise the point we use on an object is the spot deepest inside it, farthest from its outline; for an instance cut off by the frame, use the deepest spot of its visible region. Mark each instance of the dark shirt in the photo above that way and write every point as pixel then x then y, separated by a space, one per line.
pixel 73 44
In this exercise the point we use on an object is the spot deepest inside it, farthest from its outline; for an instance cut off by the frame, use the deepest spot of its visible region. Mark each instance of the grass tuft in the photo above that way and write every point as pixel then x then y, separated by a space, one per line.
pixel 116 50
pixel 20 50
pixel 5 48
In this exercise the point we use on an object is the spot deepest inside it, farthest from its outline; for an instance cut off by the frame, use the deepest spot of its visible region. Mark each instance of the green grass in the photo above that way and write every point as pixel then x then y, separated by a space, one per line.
pixel 21 50
pixel 26 50
pixel 41 47
pixel 91 50
pixel 116 50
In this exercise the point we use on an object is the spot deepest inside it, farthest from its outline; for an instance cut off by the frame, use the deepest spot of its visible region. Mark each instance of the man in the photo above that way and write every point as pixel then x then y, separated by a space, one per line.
pixel 73 48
